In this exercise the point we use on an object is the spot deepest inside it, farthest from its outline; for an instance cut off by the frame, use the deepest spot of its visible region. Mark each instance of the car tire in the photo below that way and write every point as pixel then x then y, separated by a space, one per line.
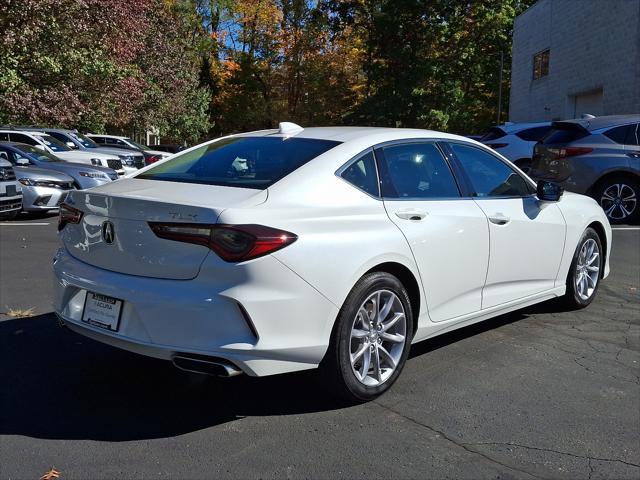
pixel 625 191
pixel 371 339
pixel 582 280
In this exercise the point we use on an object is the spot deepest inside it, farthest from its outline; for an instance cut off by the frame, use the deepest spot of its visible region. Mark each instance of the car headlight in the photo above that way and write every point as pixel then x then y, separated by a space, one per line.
pixel 96 161
pixel 94 175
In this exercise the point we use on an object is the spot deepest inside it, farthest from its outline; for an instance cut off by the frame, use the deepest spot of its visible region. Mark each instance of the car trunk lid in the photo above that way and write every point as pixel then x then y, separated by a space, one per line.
pixel 551 155
pixel 114 231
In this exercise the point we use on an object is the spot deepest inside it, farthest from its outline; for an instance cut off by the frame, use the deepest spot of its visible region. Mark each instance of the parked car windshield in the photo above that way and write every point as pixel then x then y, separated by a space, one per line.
pixel 86 142
pixel 53 144
pixel 38 154
pixel 136 144
pixel 245 162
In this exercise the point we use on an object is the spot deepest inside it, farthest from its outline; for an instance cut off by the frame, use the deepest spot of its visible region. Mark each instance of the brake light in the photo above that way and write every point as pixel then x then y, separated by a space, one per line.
pixel 497 145
pixel 569 151
pixel 232 243
pixel 68 214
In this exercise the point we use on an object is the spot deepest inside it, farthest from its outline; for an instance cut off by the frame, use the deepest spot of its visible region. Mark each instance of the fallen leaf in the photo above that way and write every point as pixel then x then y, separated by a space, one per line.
pixel 51 474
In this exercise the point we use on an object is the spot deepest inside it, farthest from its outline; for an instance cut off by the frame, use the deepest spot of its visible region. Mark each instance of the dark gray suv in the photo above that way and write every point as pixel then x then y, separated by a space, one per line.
pixel 597 156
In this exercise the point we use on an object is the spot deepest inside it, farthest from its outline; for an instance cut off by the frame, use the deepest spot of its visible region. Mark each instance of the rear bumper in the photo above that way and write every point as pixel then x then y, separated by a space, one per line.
pixel 260 316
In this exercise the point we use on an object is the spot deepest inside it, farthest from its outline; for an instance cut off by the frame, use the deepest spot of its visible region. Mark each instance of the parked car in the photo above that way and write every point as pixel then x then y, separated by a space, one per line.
pixel 516 141
pixel 131 159
pixel 49 144
pixel 168 147
pixel 289 249
pixel 599 157
pixel 84 176
pixel 42 189
pixel 10 191
pixel 116 141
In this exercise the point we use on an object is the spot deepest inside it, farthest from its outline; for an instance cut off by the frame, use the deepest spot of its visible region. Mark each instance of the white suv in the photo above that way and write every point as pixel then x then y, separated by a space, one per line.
pixel 515 141
pixel 49 144
pixel 10 190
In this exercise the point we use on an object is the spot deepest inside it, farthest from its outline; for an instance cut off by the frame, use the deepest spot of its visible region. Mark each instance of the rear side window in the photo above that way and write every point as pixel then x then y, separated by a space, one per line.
pixel 564 134
pixel 416 170
pixel 493 134
pixel 244 162
pixel 489 176
pixel 362 174
pixel 618 134
pixel 633 135
pixel 22 138
pixel 533 134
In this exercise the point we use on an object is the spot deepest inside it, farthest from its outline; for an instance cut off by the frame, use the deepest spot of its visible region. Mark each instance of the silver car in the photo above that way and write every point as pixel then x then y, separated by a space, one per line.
pixel 597 156
pixel 42 190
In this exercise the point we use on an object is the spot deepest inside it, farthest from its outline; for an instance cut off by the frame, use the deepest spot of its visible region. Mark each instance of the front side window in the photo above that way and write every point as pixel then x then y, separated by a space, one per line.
pixel 488 175
pixel 362 174
pixel 22 138
pixel 416 170
pixel 541 64
pixel 244 162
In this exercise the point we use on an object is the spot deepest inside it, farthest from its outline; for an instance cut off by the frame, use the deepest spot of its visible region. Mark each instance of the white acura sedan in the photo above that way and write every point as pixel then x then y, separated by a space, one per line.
pixel 290 249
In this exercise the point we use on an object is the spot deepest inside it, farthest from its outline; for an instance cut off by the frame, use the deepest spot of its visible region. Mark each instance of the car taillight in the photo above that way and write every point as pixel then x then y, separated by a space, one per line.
pixel 153 159
pixel 497 145
pixel 68 214
pixel 232 243
pixel 569 151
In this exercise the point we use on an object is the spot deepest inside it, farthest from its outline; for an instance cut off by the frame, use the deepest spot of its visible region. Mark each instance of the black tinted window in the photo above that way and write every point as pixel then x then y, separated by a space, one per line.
pixel 489 176
pixel 493 134
pixel 564 134
pixel 245 162
pixel 416 170
pixel 633 135
pixel 618 134
pixel 4 137
pixel 22 138
pixel 533 134
pixel 362 174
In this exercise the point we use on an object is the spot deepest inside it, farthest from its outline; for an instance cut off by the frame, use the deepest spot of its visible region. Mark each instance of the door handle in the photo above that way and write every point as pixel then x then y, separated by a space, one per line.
pixel 633 154
pixel 411 214
pixel 499 219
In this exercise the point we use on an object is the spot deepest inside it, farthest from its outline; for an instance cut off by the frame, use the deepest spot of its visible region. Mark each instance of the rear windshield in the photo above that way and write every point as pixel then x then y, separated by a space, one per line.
pixel 244 162
pixel 493 134
pixel 564 133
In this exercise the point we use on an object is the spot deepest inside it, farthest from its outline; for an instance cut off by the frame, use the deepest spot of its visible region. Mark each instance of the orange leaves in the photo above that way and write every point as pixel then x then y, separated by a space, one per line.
pixel 51 474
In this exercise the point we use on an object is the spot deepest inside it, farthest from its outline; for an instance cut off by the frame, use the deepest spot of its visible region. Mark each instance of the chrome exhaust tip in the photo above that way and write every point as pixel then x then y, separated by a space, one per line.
pixel 216 367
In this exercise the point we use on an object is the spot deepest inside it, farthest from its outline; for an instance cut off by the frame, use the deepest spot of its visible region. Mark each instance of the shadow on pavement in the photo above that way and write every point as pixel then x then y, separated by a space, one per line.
pixel 59 385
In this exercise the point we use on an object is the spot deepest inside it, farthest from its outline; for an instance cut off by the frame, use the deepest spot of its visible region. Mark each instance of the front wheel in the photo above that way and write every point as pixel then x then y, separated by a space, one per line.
pixel 585 272
pixel 371 338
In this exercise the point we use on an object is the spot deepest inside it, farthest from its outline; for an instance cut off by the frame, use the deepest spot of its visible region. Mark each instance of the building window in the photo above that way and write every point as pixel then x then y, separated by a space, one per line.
pixel 541 64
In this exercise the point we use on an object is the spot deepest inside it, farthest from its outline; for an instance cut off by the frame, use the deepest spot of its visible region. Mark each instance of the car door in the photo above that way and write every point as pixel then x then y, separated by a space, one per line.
pixel 526 235
pixel 448 234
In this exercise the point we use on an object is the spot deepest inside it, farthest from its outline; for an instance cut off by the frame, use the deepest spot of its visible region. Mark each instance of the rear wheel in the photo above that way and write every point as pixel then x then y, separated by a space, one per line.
pixel 619 197
pixel 584 275
pixel 371 338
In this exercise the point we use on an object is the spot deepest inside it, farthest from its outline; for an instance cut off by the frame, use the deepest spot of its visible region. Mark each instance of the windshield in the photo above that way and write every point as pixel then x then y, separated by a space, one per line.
pixel 245 162
pixel 86 142
pixel 136 144
pixel 53 144
pixel 38 154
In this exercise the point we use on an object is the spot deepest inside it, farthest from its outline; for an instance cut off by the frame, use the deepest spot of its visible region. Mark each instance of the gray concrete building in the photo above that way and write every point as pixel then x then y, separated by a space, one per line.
pixel 572 57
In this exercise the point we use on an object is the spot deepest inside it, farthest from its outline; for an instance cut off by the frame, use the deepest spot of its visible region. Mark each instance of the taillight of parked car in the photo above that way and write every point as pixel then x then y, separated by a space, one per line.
pixel 68 214
pixel 569 151
pixel 232 243
pixel 497 145
pixel 153 159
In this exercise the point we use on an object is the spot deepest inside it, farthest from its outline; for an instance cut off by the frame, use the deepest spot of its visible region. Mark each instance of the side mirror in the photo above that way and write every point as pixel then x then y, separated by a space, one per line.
pixel 41 147
pixel 71 145
pixel 549 191
pixel 22 161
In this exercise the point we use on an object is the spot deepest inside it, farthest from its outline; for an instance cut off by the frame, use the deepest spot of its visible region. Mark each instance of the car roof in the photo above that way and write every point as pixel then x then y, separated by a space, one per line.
pixel 105 136
pixel 518 127
pixel 597 123
pixel 346 134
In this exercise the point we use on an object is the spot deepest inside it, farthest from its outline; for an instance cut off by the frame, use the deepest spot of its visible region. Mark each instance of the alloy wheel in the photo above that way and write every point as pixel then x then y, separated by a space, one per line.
pixel 378 338
pixel 618 201
pixel 587 269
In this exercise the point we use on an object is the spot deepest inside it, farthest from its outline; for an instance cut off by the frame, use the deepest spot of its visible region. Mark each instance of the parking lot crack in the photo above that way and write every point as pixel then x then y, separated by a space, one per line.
pixel 464 446
pixel 549 450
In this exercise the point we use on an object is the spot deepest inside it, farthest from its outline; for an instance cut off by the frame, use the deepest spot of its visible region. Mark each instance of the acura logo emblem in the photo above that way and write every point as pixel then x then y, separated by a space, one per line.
pixel 108 233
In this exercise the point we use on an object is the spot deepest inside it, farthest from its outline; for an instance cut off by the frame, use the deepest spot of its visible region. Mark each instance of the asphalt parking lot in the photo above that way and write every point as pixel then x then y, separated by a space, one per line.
pixel 539 393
